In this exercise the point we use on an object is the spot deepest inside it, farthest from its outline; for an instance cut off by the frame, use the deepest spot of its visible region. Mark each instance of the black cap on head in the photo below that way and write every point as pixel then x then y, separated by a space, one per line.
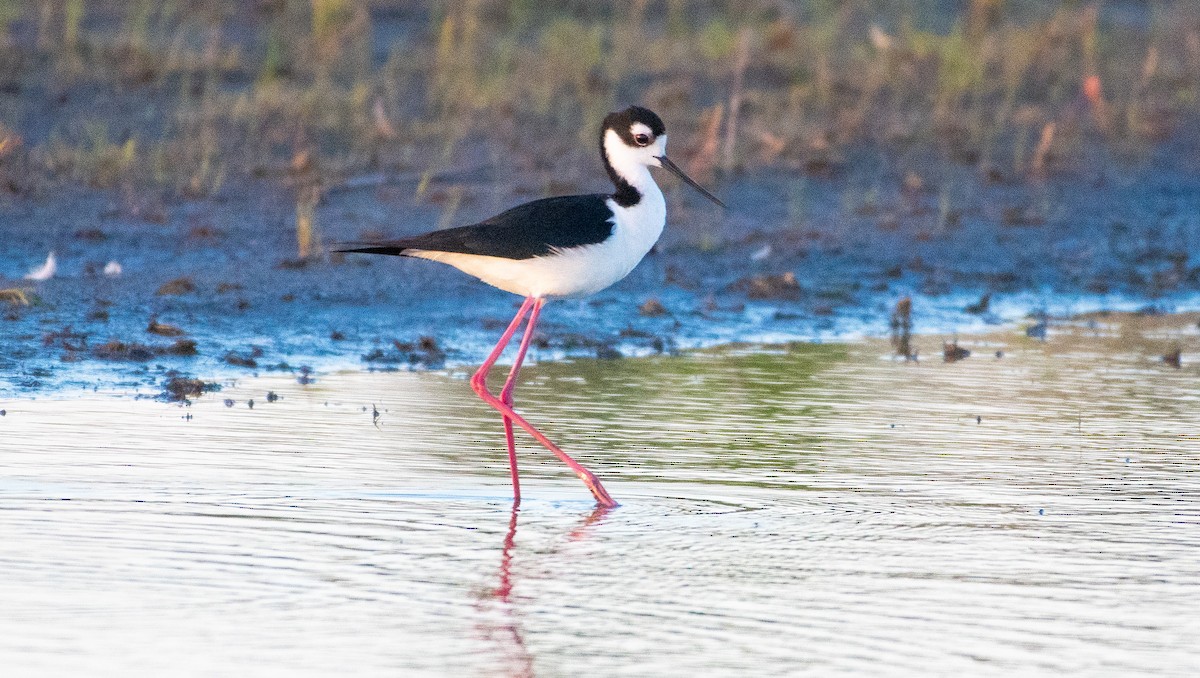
pixel 621 121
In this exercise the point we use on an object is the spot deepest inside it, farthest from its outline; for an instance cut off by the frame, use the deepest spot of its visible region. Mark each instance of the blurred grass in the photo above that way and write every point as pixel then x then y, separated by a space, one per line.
pixel 188 95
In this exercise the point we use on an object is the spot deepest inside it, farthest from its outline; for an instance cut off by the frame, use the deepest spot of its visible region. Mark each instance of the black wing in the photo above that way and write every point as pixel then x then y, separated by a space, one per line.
pixel 530 230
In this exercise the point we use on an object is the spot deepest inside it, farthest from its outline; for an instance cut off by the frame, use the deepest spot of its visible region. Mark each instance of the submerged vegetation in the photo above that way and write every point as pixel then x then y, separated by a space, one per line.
pixel 191 95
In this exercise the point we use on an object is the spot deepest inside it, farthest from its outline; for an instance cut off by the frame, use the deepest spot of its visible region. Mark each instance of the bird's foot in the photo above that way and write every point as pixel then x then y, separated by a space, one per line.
pixel 598 491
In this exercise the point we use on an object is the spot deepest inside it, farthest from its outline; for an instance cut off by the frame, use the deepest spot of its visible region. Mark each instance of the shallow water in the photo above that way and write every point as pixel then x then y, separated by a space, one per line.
pixel 809 509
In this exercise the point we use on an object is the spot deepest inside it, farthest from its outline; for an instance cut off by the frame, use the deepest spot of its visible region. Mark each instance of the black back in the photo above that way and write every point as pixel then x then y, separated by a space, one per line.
pixel 537 228
pixel 530 230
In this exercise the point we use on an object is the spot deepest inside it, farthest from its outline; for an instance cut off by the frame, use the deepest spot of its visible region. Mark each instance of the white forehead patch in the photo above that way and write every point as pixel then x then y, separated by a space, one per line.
pixel 638 128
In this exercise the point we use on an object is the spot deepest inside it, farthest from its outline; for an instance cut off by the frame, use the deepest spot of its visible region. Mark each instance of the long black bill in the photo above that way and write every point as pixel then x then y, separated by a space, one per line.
pixel 674 169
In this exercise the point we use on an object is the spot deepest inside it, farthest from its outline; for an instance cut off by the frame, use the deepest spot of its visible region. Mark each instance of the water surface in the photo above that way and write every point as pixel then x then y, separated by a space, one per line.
pixel 809 509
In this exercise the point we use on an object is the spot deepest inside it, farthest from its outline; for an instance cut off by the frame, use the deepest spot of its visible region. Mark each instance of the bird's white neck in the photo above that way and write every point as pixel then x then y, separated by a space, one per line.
pixel 639 208
pixel 628 169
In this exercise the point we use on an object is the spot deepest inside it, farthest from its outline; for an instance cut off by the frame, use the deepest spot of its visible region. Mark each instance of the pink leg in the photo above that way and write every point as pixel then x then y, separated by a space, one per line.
pixel 506 393
pixel 512 460
pixel 504 404
pixel 510 384
pixel 481 376
pixel 506 397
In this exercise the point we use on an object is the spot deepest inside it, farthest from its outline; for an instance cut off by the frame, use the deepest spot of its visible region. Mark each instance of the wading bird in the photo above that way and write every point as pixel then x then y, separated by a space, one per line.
pixel 566 246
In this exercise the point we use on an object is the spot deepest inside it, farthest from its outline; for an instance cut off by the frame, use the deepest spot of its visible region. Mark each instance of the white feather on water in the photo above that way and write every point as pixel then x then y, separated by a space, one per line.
pixel 46 271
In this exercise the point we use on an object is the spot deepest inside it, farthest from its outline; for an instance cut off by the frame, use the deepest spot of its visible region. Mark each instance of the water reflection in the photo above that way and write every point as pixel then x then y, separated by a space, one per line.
pixel 507 634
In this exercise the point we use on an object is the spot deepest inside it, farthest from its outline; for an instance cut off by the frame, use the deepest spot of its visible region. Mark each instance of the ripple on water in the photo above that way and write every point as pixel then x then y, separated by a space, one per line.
pixel 807 510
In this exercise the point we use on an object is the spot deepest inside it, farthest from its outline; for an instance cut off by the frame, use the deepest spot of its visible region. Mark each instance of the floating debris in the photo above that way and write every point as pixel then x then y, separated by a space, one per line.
pixel 176 287
pixel 113 269
pixel 952 352
pixel 272 397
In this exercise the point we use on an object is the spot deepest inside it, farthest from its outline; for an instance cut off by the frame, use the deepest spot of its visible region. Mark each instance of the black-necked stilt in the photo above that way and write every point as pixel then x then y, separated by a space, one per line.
pixel 559 247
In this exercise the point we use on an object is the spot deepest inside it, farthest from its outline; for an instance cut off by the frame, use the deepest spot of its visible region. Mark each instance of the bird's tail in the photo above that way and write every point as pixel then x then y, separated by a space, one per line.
pixel 397 248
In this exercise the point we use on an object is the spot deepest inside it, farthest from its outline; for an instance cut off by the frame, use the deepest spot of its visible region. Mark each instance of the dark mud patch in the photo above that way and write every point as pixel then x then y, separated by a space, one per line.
pixel 425 353
pixel 952 352
pixel 123 351
pixel 176 287
pixel 181 388
pixel 778 286
pixel 242 359
pixel 1174 357
pixel 164 329
pixel 652 308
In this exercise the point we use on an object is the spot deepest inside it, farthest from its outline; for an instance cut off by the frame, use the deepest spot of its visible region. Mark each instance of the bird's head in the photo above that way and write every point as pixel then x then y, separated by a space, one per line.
pixel 636 137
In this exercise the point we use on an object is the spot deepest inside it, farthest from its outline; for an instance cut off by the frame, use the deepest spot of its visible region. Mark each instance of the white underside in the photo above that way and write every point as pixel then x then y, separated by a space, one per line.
pixel 575 271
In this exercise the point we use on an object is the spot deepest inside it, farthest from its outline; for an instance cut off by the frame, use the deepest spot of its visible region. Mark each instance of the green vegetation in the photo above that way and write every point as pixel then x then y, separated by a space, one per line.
pixel 186 96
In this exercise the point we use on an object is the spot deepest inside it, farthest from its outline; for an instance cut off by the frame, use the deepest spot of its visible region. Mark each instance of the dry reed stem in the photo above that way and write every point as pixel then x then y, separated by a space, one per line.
pixel 704 161
pixel 1093 92
pixel 741 61
pixel 306 222
pixel 1043 148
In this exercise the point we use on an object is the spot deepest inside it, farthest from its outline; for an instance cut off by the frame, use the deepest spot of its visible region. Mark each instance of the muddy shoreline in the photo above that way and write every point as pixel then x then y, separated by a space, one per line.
pixel 216 314
pixel 221 275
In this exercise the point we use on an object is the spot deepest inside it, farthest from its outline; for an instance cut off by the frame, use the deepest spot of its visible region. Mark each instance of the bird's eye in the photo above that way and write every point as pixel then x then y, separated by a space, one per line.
pixel 641 139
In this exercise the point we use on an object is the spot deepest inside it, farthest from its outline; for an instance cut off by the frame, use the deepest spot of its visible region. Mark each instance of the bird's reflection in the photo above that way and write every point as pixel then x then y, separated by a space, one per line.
pixel 506 632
